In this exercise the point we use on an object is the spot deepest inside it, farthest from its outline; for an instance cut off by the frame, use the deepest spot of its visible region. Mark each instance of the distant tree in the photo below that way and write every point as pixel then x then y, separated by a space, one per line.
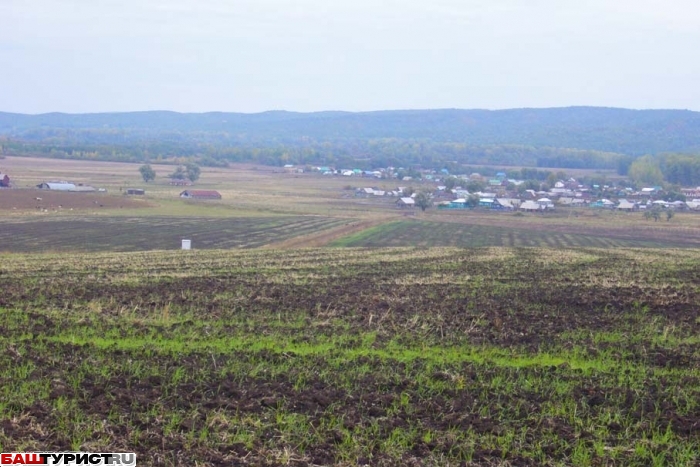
pixel 473 186
pixel 669 215
pixel 528 185
pixel 450 183
pixel 623 164
pixel 193 171
pixel 473 201
pixel 147 173
pixel 179 174
pixel 646 171
pixel 653 213
pixel 675 194
pixel 424 200
pixel 408 191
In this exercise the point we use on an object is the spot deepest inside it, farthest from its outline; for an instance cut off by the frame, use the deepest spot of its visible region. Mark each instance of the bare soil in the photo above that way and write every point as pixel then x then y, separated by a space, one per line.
pixel 53 201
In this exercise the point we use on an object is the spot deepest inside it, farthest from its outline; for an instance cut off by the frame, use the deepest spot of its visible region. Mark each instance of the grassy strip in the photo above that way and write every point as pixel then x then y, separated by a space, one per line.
pixel 335 349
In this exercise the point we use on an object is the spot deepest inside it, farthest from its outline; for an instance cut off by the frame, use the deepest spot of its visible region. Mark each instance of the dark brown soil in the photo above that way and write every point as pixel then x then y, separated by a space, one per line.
pixel 56 201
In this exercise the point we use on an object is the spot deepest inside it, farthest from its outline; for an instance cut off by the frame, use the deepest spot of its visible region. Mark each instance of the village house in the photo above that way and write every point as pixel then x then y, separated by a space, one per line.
pixel 603 204
pixel 530 206
pixel 546 203
pixel 628 206
pixel 688 192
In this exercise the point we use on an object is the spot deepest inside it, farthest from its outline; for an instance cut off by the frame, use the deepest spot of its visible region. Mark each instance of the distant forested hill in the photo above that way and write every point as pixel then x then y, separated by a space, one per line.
pixel 563 137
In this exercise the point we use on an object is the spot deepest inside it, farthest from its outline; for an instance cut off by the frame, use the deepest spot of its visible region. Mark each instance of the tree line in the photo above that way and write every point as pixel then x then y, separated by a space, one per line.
pixel 679 169
pixel 385 152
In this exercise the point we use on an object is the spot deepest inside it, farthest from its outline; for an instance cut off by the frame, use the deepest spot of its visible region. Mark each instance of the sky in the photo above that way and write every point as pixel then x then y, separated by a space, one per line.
pixel 309 55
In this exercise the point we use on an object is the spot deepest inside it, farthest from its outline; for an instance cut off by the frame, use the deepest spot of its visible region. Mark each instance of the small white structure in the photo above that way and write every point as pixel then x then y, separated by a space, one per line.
pixel 531 206
pixel 186 244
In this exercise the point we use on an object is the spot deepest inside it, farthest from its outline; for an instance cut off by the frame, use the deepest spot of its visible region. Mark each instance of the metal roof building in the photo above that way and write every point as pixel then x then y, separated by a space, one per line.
pixel 56 186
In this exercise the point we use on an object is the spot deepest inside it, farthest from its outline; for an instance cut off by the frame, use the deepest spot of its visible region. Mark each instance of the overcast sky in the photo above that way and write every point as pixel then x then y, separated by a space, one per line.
pixel 308 55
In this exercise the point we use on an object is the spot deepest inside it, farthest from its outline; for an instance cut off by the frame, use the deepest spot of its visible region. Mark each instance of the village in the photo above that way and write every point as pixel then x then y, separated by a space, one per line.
pixel 501 193
pixel 423 189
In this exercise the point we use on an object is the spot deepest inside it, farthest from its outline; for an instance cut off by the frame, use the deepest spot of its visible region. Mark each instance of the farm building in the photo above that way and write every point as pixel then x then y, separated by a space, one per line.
pixel 135 191
pixel 364 192
pixel 506 203
pixel 200 194
pixel 530 206
pixel 678 205
pixel 459 203
pixel 693 205
pixel 56 186
pixel 546 203
pixel 603 203
pixel 625 205
pixel 406 202
pixel 4 180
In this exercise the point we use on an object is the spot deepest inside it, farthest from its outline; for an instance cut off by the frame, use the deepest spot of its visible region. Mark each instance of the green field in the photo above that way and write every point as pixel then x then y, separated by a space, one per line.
pixel 391 356
pixel 431 233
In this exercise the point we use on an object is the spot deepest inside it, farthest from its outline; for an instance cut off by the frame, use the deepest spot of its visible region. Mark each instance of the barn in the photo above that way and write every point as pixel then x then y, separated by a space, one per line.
pixel 200 194
pixel 56 186
pixel 135 191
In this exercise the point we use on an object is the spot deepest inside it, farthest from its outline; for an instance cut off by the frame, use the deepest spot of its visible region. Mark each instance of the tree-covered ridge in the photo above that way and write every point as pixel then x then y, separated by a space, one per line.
pixel 575 137
pixel 624 131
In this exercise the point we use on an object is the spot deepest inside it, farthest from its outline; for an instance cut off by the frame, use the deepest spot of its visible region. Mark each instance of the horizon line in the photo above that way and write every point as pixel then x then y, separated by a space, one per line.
pixel 437 109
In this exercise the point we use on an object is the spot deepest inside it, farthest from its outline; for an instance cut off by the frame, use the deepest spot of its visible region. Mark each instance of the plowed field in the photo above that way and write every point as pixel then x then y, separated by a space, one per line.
pixel 58 201
pixel 433 233
pixel 153 233
pixel 436 357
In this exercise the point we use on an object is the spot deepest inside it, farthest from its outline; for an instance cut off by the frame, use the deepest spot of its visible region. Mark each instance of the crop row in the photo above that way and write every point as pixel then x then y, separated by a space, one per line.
pixel 153 233
pixel 430 234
